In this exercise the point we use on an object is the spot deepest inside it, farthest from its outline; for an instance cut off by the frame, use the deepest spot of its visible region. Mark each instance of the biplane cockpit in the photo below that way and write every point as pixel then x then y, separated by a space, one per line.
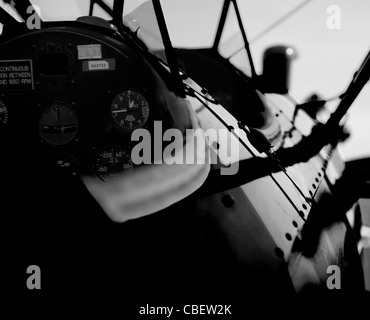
pixel 166 172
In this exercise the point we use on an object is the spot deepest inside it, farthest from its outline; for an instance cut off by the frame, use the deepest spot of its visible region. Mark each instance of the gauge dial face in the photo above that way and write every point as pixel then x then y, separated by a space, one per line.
pixel 3 112
pixel 112 162
pixel 129 110
pixel 58 124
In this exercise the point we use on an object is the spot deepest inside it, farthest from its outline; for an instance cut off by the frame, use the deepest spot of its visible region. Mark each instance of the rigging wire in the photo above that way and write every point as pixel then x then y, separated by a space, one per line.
pixel 190 91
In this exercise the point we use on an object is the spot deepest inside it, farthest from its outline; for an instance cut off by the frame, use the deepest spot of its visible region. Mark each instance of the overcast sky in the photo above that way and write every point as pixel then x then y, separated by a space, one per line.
pixel 327 57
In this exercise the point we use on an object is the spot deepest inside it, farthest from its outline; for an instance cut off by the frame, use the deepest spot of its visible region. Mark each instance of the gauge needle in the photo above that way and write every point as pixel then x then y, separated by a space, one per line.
pixel 132 104
pixel 118 111
pixel 58 116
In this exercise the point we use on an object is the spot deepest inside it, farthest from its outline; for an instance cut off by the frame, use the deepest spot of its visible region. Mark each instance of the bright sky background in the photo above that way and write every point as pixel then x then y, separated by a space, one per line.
pixel 326 59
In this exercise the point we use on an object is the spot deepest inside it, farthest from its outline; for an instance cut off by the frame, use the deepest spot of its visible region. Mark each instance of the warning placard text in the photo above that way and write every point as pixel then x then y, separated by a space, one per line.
pixel 16 75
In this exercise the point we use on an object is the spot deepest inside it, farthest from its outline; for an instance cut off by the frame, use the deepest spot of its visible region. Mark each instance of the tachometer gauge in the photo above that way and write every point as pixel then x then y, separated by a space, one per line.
pixel 3 112
pixel 129 110
pixel 111 162
pixel 58 124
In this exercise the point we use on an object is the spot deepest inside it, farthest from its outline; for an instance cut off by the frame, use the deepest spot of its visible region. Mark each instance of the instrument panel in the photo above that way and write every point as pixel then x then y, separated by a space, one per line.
pixel 77 98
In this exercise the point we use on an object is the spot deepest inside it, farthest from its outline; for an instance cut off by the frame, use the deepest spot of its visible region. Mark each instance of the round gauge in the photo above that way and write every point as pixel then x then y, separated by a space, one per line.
pixel 67 163
pixel 58 124
pixel 3 112
pixel 111 162
pixel 129 110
